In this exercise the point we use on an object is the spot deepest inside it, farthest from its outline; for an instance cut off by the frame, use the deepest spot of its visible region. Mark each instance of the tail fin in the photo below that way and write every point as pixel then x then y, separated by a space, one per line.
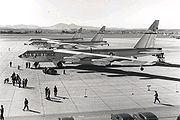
pixel 99 35
pixel 78 34
pixel 149 37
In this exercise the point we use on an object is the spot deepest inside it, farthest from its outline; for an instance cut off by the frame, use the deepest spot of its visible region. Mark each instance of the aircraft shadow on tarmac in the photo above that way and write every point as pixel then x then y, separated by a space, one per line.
pixel 122 73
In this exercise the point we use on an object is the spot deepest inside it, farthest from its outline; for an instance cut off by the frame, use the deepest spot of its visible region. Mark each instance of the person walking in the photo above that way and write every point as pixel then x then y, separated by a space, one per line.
pixel 156 97
pixel 2 112
pixel 55 91
pixel 26 102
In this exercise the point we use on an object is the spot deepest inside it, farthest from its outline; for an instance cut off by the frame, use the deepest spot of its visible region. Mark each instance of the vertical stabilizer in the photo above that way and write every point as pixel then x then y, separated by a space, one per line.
pixel 99 35
pixel 78 34
pixel 149 37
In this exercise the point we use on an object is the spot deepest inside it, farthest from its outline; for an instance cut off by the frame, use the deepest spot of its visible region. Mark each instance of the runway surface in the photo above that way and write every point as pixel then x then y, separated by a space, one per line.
pixel 115 89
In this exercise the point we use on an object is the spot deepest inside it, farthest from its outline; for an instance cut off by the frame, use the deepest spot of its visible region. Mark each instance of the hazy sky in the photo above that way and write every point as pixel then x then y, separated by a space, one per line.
pixel 112 13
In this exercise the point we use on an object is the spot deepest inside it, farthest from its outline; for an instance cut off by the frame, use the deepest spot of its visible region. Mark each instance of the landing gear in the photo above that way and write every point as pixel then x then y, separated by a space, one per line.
pixel 160 57
pixel 59 65
pixel 36 64
pixel 141 68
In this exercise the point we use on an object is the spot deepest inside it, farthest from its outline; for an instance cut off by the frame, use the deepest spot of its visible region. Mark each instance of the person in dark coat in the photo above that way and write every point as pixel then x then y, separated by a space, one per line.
pixel 156 97
pixel 2 112
pixel 26 102
pixel 19 83
pixel 46 91
pixel 55 91
pixel 10 64
pixel 48 94
pixel 25 82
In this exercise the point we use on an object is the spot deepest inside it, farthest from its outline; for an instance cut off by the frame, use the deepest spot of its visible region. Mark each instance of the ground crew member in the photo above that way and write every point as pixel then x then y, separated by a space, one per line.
pixel 2 112
pixel 46 91
pixel 64 72
pixel 156 97
pixel 55 91
pixel 48 94
pixel 26 104
pixel 10 64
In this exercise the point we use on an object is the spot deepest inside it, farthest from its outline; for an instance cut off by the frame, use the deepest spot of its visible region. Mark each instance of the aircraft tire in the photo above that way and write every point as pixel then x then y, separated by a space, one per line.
pixel 59 65
pixel 141 68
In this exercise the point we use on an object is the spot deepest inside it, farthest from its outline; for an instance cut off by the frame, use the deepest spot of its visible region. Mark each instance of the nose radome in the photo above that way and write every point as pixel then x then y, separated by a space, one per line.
pixel 20 56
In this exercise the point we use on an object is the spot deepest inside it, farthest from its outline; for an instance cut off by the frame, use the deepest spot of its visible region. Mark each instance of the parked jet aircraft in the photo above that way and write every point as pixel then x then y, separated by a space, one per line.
pixel 76 36
pixel 144 47
pixel 96 40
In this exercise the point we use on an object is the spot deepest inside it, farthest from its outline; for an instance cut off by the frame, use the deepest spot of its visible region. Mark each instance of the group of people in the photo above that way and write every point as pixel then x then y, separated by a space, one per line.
pixel 17 80
pixel 48 92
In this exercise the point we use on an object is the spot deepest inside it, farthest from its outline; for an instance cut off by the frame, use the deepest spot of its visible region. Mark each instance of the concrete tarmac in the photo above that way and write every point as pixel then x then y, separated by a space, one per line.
pixel 117 89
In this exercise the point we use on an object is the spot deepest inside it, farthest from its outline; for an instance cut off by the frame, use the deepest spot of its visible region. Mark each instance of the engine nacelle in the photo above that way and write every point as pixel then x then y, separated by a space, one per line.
pixel 71 59
pixel 100 62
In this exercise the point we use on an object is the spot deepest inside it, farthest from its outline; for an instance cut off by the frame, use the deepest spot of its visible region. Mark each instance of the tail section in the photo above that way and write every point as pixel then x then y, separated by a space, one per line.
pixel 149 37
pixel 99 35
pixel 78 34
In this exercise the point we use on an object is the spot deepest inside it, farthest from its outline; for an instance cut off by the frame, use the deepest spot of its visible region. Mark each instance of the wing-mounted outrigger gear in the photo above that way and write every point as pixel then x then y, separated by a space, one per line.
pixel 160 57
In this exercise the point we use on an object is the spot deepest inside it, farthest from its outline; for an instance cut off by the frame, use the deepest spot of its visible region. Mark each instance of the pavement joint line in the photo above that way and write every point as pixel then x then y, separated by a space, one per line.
pixel 41 96
pixel 13 86
pixel 127 96
pixel 96 94
pixel 11 101
pixel 69 94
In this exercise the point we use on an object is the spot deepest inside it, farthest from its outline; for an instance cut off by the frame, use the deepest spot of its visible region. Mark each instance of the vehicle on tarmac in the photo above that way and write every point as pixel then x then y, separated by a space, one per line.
pixel 145 116
pixel 50 71
pixel 121 116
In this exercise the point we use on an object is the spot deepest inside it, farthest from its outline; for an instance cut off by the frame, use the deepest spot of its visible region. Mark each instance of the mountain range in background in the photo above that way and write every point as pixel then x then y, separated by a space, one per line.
pixel 59 26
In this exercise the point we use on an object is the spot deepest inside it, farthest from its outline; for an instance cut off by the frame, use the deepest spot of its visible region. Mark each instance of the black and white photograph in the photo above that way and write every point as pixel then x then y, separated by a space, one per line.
pixel 89 60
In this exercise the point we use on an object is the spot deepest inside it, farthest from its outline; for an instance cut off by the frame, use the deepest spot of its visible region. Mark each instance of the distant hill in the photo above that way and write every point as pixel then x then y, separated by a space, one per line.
pixel 20 26
pixel 62 26
pixel 59 26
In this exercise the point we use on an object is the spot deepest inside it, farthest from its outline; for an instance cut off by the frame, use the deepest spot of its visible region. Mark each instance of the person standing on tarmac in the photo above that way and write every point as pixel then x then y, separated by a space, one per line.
pixel 10 64
pixel 156 97
pixel 2 112
pixel 55 91
pixel 26 104
pixel 46 92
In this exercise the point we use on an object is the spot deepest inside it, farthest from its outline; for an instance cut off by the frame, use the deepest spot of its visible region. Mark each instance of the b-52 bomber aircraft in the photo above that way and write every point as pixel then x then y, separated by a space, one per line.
pixel 76 36
pixel 72 44
pixel 103 57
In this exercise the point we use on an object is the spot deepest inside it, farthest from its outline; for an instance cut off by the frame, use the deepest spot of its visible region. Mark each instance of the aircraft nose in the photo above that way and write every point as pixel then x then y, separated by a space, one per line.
pixel 20 56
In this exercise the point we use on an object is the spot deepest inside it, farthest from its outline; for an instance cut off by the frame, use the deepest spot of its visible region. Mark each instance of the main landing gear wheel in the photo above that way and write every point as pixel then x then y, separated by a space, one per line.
pixel 36 64
pixel 161 57
pixel 141 68
pixel 59 65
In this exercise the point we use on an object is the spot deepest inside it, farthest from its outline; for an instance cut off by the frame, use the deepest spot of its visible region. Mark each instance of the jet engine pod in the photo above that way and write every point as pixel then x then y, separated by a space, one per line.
pixel 100 62
pixel 71 59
